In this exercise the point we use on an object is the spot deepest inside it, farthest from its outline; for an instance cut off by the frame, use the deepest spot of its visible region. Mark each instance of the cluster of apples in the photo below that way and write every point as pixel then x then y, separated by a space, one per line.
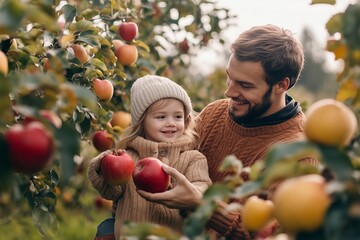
pixel 118 168
pixel 102 140
pixel 299 204
pixel 30 143
pixel 126 53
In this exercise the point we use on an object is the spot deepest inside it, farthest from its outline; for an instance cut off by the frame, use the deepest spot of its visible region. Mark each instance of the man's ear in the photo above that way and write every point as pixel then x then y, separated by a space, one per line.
pixel 283 85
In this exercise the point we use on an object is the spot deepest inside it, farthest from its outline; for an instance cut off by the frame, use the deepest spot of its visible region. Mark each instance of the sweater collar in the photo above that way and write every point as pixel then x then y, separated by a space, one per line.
pixel 288 117
pixel 147 148
pixel 290 110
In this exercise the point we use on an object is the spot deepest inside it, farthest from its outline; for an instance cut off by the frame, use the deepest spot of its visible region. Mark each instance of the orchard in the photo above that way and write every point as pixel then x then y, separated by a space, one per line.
pixel 66 69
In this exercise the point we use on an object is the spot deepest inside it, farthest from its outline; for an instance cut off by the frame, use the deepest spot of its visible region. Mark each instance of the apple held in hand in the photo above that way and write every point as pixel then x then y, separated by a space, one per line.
pixel 116 168
pixel 30 147
pixel 128 31
pixel 149 176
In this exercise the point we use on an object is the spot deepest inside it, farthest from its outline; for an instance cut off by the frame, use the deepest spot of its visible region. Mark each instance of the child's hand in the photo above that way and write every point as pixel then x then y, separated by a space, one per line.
pixel 97 160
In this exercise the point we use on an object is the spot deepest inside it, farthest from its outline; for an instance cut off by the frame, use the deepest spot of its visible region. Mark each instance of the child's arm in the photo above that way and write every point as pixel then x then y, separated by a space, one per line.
pixel 94 174
pixel 197 172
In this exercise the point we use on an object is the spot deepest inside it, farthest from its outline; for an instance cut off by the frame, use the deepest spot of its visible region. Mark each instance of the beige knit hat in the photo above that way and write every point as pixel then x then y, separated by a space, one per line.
pixel 151 88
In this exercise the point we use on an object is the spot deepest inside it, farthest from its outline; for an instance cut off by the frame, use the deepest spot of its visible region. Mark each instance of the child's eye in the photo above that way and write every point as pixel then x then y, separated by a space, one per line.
pixel 160 117
pixel 179 117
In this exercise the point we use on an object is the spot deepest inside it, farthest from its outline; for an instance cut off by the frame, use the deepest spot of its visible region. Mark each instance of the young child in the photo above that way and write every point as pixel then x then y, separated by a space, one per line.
pixel 162 122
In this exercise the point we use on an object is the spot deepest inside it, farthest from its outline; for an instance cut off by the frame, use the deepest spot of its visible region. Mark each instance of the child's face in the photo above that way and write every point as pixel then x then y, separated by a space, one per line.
pixel 165 122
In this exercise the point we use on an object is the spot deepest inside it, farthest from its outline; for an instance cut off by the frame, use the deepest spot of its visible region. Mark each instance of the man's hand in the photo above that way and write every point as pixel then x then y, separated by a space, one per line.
pixel 183 196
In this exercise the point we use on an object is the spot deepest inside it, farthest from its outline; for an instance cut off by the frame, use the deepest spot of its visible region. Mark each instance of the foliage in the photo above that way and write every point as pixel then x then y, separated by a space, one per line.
pixel 44 73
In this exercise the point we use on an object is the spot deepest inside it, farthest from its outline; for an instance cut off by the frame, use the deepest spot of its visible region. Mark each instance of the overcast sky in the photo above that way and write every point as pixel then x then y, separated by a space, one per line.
pixel 291 14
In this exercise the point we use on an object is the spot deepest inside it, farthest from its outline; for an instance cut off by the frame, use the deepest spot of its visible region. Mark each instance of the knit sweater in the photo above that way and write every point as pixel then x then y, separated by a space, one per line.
pixel 130 205
pixel 220 136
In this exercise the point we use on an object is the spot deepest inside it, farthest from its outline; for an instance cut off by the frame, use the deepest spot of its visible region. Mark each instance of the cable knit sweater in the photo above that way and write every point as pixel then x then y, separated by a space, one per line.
pixel 221 136
pixel 131 206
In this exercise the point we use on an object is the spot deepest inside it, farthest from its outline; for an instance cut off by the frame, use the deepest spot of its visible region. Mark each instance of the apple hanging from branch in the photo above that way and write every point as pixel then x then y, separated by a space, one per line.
pixel 102 140
pixel 128 31
pixel 30 147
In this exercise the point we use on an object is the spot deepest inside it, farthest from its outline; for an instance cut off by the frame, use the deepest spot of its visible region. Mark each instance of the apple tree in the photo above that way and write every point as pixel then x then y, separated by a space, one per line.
pixel 60 67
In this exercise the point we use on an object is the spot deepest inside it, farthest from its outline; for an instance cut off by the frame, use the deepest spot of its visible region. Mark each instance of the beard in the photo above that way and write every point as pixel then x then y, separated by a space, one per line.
pixel 254 112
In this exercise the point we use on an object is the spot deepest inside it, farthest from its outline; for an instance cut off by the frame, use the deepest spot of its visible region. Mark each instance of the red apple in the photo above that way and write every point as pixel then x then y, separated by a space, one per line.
pixel 49 115
pixel 128 31
pixel 30 147
pixel 102 140
pixel 149 176
pixel 116 168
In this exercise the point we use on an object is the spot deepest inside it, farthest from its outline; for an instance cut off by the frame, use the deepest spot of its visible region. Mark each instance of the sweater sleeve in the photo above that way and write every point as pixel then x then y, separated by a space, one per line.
pixel 228 224
pixel 97 181
pixel 197 172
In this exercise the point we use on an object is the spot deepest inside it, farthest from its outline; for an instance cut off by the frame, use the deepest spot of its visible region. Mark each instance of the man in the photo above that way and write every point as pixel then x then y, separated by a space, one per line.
pixel 265 62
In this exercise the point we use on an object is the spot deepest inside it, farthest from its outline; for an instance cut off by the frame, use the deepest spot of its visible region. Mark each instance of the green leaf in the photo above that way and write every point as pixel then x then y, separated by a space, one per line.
pixel 68 143
pixel 338 162
pixel 332 2
pixel 351 25
pixel 108 53
pixel 294 150
pixel 37 15
pixel 141 44
pixel 334 24
pixel 160 70
pixel 12 13
pixel 89 39
pixel 248 188
pixel 81 26
pixel 69 12
pixel 98 64
pixel 231 164
pixel 85 97
pixel 45 222
pixel 281 161
pixel 194 224
pixel 336 220
pixel 6 113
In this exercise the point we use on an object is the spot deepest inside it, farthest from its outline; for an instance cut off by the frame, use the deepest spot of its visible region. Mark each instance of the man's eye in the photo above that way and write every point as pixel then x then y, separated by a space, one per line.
pixel 246 86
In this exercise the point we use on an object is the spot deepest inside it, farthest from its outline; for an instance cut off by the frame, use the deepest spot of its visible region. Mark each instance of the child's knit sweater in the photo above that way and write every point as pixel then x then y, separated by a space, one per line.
pixel 131 206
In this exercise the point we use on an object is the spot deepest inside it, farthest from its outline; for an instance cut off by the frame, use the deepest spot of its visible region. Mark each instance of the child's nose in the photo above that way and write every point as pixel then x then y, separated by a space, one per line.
pixel 170 122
